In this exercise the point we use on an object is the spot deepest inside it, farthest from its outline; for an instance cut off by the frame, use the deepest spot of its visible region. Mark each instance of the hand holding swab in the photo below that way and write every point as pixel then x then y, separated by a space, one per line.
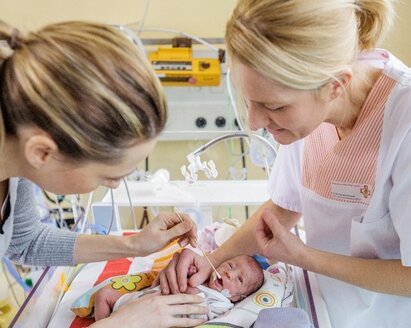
pixel 202 252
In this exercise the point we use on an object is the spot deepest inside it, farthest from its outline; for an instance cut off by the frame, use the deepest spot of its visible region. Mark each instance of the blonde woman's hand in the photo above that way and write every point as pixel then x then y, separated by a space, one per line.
pixel 276 243
pixel 155 310
pixel 186 269
pixel 165 228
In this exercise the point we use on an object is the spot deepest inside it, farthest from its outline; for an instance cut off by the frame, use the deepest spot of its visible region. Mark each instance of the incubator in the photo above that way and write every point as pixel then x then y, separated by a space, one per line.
pixel 48 305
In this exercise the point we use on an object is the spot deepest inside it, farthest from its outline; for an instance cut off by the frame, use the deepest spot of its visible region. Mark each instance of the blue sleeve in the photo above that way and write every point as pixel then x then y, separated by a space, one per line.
pixel 32 242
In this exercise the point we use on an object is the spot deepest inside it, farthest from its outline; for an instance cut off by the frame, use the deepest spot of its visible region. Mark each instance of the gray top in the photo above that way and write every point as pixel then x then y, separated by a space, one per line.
pixel 24 239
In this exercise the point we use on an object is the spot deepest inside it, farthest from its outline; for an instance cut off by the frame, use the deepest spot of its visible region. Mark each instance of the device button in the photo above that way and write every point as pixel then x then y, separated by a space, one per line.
pixel 220 121
pixel 201 122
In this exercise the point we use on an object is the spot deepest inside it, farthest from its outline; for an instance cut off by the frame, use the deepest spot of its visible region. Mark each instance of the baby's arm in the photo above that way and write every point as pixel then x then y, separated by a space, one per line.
pixel 104 302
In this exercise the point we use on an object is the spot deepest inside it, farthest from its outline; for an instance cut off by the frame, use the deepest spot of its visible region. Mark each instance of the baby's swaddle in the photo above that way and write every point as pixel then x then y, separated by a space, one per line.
pixel 216 302
pixel 277 291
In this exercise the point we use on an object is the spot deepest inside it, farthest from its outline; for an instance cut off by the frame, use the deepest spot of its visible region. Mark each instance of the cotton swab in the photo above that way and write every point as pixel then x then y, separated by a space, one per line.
pixel 202 252
pixel 209 261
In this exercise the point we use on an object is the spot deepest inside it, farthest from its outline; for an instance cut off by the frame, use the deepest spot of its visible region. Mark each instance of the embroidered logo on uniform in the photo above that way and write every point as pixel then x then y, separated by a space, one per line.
pixel 365 191
pixel 351 192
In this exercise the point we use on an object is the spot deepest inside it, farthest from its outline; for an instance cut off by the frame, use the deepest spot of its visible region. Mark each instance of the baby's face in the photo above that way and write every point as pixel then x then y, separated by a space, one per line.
pixel 240 276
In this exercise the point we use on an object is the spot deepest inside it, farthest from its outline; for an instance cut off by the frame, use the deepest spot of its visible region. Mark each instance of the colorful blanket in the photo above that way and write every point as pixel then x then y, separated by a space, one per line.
pixel 121 275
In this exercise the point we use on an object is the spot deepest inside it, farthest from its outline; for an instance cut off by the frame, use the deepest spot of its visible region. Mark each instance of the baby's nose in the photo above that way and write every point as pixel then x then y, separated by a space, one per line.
pixel 231 274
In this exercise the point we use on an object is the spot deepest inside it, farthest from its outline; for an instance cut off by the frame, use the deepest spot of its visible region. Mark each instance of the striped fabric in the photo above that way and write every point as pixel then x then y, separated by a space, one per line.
pixel 164 256
pixel 121 267
pixel 340 169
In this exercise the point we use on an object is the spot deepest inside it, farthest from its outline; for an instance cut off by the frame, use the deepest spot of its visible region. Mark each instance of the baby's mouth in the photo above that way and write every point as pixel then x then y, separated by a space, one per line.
pixel 219 283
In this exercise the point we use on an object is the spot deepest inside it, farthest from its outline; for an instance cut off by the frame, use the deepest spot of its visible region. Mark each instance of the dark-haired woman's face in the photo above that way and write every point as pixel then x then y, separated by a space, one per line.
pixel 76 179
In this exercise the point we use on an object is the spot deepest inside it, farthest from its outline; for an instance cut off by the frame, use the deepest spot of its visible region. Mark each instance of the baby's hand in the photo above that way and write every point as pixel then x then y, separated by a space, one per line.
pixel 191 270
pixel 191 290
pixel 104 302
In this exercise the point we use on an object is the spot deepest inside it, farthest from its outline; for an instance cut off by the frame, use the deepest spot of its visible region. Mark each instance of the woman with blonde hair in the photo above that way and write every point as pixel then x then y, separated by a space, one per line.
pixel 310 73
pixel 80 108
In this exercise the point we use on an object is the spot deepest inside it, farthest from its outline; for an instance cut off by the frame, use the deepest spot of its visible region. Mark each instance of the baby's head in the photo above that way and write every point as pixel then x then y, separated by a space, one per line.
pixel 240 276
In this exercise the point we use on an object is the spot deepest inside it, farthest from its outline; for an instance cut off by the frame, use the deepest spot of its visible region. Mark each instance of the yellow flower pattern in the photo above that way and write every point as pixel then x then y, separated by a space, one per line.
pixel 128 282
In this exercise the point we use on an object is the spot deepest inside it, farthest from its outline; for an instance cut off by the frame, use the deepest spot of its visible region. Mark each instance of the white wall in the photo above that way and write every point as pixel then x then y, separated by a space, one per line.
pixel 199 17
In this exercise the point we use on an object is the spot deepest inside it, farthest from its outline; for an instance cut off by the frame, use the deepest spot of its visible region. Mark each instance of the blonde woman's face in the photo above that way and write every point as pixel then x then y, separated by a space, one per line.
pixel 288 114
pixel 65 178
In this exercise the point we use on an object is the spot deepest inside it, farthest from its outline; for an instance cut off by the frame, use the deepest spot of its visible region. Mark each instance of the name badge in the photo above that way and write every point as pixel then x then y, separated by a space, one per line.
pixel 352 192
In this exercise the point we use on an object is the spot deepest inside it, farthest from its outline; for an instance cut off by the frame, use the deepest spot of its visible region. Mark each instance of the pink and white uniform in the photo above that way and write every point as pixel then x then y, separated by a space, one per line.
pixel 355 194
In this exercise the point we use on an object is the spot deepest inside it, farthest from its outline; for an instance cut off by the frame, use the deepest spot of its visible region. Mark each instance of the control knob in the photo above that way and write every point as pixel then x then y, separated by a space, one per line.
pixel 220 121
pixel 201 122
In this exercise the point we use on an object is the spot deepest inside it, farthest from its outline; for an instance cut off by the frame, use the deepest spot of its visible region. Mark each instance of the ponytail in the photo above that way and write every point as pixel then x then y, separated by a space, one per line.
pixel 375 18
pixel 10 40
pixel 303 44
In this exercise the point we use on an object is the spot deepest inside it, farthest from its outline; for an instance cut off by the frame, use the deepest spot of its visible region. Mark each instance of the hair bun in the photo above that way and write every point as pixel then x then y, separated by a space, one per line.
pixel 14 40
pixel 11 38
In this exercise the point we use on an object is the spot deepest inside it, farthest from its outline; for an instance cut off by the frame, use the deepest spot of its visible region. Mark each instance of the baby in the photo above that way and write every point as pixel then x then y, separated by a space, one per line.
pixel 240 277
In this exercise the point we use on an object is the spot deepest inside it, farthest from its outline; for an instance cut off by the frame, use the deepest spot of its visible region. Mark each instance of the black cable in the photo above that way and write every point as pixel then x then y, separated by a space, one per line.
pixel 244 167
pixel 144 219
pixel 60 198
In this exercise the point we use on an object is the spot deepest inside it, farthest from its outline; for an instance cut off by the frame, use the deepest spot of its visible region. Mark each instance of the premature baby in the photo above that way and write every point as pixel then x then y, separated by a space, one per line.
pixel 240 277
